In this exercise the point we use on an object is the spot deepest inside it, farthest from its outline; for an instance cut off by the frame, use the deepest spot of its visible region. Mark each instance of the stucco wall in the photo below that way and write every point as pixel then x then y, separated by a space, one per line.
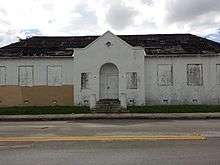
pixel 94 56
pixel 39 94
pixel 181 92
pixel 40 69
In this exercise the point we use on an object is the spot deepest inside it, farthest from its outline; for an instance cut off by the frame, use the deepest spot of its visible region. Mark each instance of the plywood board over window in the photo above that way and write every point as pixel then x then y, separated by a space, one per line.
pixel 54 75
pixel 2 75
pixel 131 80
pixel 218 74
pixel 194 74
pixel 25 75
pixel 85 80
pixel 165 74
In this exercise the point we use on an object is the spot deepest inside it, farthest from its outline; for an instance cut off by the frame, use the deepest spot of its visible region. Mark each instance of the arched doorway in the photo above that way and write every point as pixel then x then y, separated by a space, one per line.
pixel 109 81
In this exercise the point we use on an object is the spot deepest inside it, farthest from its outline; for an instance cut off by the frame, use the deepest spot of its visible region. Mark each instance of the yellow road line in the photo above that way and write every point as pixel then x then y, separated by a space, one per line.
pixel 99 138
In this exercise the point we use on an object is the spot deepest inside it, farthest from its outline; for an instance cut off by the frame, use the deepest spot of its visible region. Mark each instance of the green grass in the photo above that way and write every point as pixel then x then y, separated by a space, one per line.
pixel 175 109
pixel 132 109
pixel 43 110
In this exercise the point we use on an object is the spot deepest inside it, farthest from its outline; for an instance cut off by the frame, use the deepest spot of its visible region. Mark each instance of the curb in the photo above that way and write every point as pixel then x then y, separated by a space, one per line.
pixel 151 116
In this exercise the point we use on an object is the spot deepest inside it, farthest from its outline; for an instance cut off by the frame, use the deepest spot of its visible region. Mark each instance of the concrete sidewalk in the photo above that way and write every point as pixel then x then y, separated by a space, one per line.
pixel 150 116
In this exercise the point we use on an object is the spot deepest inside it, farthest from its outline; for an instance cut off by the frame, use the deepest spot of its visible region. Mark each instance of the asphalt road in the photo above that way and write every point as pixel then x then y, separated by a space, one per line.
pixel 111 152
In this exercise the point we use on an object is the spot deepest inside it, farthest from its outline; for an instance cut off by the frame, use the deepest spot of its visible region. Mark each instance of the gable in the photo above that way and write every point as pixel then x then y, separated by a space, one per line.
pixel 107 39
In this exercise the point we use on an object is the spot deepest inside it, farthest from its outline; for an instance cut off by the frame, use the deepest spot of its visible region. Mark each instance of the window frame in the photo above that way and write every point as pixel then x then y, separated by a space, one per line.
pixel 19 76
pixel 135 86
pixel 201 78
pixel 217 76
pixel 5 74
pixel 53 66
pixel 171 73
pixel 86 83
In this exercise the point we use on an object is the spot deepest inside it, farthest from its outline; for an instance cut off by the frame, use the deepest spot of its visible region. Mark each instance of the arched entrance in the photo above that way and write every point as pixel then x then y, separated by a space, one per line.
pixel 109 81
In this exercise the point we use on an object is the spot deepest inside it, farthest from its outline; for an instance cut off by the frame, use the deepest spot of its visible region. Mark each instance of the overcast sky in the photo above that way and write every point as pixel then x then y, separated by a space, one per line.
pixel 25 18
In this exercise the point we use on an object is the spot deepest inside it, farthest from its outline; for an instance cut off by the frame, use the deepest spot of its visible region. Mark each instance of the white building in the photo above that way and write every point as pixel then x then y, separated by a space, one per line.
pixel 134 69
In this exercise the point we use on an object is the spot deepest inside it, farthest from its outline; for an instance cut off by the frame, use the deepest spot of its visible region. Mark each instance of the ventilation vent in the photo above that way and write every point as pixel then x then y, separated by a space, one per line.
pixel 165 101
pixel 86 102
pixel 26 101
pixel 54 101
pixel 195 101
pixel 108 44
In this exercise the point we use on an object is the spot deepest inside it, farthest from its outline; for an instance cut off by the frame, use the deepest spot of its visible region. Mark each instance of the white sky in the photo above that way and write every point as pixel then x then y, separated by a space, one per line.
pixel 22 18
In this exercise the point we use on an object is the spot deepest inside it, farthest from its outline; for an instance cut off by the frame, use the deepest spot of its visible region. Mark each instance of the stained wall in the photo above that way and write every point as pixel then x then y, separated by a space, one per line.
pixel 40 92
pixel 188 86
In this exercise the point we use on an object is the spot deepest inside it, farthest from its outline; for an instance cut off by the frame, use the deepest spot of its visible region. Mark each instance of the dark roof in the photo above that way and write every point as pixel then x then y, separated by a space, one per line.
pixel 154 44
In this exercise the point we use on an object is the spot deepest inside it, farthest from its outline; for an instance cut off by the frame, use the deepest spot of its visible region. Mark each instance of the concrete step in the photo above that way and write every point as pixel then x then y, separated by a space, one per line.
pixel 106 110
pixel 108 106
pixel 108 101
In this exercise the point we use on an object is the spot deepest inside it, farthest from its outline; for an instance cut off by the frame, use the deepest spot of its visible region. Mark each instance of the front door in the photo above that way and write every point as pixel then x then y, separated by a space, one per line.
pixel 109 81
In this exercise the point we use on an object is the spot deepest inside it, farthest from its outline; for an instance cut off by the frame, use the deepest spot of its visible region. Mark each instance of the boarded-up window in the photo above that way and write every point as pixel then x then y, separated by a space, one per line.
pixel 218 74
pixel 194 74
pixel 25 75
pixel 165 74
pixel 84 80
pixel 2 75
pixel 54 75
pixel 131 80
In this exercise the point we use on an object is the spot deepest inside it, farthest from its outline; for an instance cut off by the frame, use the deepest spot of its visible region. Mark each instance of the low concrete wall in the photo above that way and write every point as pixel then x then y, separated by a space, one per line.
pixel 12 95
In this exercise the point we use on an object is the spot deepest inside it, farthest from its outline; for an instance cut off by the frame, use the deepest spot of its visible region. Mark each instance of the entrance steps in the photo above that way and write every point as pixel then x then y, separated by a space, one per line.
pixel 108 106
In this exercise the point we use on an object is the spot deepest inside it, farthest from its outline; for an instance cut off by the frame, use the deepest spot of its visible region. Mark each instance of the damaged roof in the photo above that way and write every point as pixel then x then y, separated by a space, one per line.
pixel 154 45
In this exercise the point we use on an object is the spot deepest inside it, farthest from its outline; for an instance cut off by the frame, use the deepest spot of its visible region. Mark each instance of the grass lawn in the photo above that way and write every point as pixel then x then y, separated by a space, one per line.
pixel 132 109
pixel 175 109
